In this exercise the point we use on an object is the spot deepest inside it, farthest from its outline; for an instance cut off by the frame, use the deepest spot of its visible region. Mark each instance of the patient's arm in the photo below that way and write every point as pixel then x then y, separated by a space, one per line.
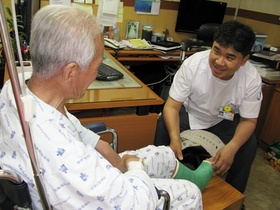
pixel 107 151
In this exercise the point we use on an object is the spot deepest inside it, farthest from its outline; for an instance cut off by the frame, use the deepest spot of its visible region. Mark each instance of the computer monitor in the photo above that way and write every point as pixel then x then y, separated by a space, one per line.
pixel 194 13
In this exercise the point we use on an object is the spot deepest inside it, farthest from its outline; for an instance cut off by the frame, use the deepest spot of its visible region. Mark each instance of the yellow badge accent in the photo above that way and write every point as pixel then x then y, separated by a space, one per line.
pixel 227 108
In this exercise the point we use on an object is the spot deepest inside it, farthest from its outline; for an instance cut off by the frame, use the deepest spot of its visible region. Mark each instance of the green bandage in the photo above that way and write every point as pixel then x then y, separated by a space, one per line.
pixel 200 177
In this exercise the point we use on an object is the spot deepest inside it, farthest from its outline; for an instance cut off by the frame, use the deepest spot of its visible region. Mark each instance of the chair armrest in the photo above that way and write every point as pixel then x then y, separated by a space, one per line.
pixel 96 127
pixel 188 44
pixel 99 128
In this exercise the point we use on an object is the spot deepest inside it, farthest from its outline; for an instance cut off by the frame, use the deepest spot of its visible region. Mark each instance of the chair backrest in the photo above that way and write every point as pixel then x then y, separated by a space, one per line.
pixel 204 37
pixel 206 32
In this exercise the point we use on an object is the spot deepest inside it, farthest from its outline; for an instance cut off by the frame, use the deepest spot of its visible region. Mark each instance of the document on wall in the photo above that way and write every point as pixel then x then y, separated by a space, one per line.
pixel 60 2
pixel 85 7
pixel 107 18
pixel 110 6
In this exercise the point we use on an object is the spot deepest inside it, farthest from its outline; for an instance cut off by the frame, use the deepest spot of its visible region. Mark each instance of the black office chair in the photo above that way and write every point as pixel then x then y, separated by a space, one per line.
pixel 204 38
pixel 14 193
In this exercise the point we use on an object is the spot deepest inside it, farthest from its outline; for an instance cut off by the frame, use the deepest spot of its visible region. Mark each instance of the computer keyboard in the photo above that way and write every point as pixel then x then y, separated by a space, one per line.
pixel 108 73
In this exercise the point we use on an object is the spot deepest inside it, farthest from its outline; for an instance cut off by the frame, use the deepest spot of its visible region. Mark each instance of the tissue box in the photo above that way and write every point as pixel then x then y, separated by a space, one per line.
pixel 260 41
pixel 272 156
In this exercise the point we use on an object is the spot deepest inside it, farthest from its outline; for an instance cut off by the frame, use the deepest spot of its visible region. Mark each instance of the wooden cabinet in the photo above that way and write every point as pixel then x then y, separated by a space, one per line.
pixel 271 128
pixel 267 91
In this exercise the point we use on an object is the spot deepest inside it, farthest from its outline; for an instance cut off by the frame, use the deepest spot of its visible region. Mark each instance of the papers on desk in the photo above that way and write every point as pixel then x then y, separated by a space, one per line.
pixel 166 46
pixel 265 71
pixel 272 56
pixel 143 44
pixel 136 44
pixel 169 56
pixel 268 72
pixel 257 64
pixel 166 49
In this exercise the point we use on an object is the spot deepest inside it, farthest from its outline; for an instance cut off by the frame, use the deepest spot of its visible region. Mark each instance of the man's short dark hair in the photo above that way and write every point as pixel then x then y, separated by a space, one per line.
pixel 236 35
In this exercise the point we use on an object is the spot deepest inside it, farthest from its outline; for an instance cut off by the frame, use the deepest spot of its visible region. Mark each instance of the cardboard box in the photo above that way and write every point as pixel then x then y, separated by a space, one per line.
pixel 272 156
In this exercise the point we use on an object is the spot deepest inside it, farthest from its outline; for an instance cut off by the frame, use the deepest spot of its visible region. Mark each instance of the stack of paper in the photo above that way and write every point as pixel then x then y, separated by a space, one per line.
pixel 137 44
pixel 166 46
pixel 268 72
pixel 269 56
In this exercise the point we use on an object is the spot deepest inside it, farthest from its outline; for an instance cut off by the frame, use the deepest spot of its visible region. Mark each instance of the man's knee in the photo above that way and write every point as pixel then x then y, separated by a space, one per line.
pixel 161 135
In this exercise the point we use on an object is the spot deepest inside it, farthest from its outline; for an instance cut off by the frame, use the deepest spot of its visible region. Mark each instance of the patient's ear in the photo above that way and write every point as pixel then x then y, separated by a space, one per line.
pixel 70 71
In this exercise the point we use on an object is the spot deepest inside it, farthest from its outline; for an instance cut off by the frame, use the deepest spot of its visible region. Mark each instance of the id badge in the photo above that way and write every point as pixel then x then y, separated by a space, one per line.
pixel 226 112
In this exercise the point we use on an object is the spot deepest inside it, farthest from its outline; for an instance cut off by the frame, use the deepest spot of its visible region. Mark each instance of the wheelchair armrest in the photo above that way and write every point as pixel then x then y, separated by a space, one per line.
pixel 10 176
pixel 96 127
pixel 166 197
pixel 99 128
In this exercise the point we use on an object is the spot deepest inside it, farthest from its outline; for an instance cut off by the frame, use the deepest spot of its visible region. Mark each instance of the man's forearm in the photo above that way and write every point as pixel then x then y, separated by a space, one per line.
pixel 244 130
pixel 171 120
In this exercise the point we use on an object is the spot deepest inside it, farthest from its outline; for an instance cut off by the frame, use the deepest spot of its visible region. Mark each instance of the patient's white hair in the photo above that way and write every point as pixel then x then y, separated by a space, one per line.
pixel 60 35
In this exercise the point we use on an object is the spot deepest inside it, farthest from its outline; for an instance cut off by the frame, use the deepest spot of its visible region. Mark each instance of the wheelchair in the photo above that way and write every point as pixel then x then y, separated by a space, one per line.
pixel 14 193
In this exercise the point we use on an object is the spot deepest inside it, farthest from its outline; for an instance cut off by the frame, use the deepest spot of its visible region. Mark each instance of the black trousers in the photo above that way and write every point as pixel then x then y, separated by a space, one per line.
pixel 239 172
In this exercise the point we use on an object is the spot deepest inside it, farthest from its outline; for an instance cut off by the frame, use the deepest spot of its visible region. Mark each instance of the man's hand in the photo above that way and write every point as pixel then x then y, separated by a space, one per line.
pixel 223 160
pixel 225 156
pixel 177 149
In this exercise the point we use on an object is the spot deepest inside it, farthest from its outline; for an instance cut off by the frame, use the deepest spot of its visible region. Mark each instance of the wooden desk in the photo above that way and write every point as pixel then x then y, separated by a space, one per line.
pixel 112 98
pixel 219 195
pixel 146 55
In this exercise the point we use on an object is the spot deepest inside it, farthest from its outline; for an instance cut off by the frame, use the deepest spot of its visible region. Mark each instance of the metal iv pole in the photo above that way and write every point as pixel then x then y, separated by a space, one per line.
pixel 10 59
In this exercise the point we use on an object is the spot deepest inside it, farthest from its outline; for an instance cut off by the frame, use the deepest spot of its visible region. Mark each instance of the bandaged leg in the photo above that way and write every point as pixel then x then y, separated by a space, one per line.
pixel 200 176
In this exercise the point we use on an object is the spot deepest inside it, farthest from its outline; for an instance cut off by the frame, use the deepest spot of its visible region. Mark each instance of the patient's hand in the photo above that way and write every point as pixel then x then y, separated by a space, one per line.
pixel 124 164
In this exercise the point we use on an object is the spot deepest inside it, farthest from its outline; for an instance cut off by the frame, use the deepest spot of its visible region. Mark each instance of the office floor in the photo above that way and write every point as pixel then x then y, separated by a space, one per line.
pixel 263 189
